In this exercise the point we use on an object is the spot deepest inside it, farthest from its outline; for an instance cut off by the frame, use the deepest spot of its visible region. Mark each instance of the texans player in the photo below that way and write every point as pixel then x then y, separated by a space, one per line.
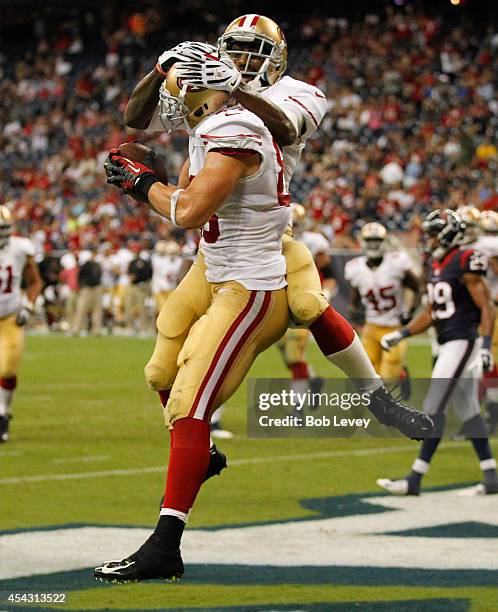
pixel 378 280
pixel 292 111
pixel 16 263
pixel 458 302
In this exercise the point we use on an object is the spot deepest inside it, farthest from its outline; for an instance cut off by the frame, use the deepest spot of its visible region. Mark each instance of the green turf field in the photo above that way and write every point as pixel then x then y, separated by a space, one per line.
pixel 293 524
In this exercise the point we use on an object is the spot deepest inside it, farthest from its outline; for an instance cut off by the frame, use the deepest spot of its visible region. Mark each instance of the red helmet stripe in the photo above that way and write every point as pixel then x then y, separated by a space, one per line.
pixel 254 20
pixel 241 21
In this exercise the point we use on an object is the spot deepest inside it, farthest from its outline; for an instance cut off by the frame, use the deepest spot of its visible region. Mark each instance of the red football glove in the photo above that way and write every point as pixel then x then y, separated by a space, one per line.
pixel 133 177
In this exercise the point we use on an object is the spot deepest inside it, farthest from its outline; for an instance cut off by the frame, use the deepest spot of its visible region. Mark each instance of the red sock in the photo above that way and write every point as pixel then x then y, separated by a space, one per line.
pixel 332 332
pixel 8 383
pixel 188 462
pixel 164 397
pixel 299 370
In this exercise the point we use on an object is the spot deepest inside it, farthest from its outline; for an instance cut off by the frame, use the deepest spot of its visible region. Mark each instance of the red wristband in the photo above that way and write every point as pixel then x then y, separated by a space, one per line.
pixel 160 70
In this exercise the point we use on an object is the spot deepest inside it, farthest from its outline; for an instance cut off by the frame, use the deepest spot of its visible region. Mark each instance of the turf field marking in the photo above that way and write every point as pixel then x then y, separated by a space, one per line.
pixel 11 453
pixel 82 459
pixel 366 452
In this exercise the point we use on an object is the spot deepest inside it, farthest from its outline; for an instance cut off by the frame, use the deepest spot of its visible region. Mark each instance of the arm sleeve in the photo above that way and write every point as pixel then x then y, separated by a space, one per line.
pixel 349 274
pixel 232 134
pixel 473 262
pixel 305 107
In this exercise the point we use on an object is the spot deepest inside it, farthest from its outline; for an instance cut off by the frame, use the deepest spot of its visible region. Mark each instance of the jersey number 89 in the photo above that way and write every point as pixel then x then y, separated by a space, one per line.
pixel 441 299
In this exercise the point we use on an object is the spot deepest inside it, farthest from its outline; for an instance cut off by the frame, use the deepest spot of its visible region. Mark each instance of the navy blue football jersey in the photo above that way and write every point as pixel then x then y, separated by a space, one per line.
pixel 455 315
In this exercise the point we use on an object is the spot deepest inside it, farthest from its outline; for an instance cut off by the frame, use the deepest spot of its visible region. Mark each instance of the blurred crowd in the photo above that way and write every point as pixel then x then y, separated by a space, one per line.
pixel 411 126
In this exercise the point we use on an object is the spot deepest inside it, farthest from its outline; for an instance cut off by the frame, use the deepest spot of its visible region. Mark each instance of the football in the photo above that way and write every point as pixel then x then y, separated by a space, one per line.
pixel 137 152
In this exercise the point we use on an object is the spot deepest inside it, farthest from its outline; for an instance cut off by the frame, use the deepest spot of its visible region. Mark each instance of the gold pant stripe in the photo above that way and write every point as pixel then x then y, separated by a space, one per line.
pixel 228 349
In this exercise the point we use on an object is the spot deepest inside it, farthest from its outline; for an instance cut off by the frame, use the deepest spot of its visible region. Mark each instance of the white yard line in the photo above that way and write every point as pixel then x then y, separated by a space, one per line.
pixel 366 452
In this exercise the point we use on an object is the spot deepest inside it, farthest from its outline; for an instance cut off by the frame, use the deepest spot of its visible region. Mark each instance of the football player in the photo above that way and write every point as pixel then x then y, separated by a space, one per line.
pixel 294 344
pixel 167 263
pixel 379 279
pixel 291 110
pixel 458 302
pixel 17 263
pixel 484 238
pixel 243 309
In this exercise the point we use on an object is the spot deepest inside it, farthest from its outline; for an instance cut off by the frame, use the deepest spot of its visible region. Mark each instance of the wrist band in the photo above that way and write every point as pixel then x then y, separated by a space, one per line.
pixel 160 70
pixel 172 211
pixel 145 183
pixel 486 342
pixel 405 332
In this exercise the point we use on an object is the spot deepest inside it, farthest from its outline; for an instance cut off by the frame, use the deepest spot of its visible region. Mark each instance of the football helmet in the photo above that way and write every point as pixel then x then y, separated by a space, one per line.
pixel 444 229
pixel 472 218
pixel 489 221
pixel 372 240
pixel 167 247
pixel 298 213
pixel 5 226
pixel 250 38
pixel 181 105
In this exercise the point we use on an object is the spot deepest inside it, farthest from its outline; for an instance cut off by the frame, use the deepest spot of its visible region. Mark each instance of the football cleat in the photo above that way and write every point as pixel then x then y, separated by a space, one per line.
pixel 483 488
pixel 394 413
pixel 403 486
pixel 217 463
pixel 218 432
pixel 151 561
pixel 4 429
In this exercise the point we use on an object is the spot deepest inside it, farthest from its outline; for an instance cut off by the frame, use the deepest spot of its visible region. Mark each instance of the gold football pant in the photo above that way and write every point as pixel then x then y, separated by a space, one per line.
pixel 387 364
pixel 192 297
pixel 160 298
pixel 219 348
pixel 304 289
pixel 294 345
pixel 11 346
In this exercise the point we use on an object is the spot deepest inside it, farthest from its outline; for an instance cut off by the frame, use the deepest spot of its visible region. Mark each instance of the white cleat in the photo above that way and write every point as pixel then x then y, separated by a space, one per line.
pixel 396 487
pixel 478 490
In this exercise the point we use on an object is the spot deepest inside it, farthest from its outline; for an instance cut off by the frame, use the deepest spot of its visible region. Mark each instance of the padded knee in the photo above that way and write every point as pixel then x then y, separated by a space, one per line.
pixel 159 378
pixel 177 315
pixel 306 306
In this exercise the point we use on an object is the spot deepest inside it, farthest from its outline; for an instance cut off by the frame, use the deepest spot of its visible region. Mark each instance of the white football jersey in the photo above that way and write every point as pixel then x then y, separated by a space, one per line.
pixel 316 242
pixel 165 272
pixel 243 240
pixel 380 288
pixel 305 105
pixel 488 245
pixel 12 261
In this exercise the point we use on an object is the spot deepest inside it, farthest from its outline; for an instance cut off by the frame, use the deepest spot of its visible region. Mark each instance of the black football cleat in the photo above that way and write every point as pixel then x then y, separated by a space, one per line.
pixel 4 429
pixel 394 413
pixel 217 463
pixel 152 561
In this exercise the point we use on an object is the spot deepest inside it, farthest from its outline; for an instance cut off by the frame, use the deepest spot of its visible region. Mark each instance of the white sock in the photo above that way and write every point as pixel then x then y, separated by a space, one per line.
pixel 354 362
pixel 420 466
pixel 5 400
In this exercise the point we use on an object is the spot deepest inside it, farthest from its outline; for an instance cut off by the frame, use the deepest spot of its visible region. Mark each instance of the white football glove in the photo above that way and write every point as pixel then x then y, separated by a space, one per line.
pixel 25 312
pixel 211 72
pixel 392 339
pixel 184 52
pixel 487 360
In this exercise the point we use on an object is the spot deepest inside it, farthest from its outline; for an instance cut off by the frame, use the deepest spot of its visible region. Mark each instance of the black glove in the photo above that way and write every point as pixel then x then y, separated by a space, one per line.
pixel 133 177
